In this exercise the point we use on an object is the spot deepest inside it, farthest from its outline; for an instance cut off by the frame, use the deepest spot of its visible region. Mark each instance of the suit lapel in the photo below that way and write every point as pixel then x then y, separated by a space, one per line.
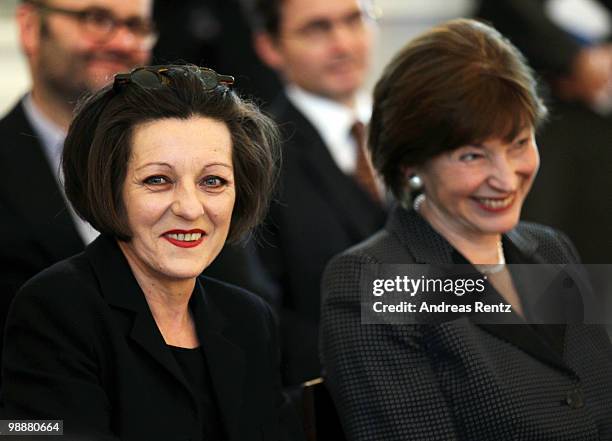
pixel 226 359
pixel 146 334
pixel 422 242
pixel 524 249
pixel 37 198
pixel 427 246
pixel 319 167
pixel 121 290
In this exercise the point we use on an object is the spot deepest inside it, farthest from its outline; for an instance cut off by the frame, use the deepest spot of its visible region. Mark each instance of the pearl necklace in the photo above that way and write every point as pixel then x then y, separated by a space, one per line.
pixel 418 201
pixel 497 267
pixel 483 268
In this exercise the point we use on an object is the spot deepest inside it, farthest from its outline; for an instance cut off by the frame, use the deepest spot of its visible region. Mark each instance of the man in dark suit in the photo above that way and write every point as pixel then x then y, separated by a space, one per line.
pixel 72 46
pixel 326 202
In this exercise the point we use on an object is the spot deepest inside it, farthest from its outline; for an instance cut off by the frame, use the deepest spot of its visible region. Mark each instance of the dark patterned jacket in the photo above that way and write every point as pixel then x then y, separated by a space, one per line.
pixel 460 380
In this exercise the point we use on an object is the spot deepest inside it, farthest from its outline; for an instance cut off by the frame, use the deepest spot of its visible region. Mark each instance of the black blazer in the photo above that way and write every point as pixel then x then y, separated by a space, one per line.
pixel 81 345
pixel 459 380
pixel 36 229
pixel 319 212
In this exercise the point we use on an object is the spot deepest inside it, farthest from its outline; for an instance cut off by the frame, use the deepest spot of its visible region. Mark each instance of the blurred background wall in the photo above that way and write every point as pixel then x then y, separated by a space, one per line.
pixel 400 20
pixel 14 77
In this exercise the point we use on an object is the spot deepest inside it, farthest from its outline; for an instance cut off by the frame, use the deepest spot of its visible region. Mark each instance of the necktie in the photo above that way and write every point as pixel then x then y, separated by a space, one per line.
pixel 364 174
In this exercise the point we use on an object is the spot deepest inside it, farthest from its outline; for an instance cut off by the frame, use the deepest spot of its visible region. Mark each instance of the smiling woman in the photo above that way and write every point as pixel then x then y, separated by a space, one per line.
pixel 452 134
pixel 179 195
pixel 127 340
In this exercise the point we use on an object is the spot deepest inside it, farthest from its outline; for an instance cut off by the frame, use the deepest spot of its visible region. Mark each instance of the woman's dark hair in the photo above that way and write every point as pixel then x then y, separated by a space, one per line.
pixel 98 147
pixel 460 82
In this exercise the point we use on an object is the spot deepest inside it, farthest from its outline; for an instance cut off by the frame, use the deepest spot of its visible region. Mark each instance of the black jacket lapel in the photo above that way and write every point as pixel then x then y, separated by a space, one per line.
pixel 422 242
pixel 147 335
pixel 226 360
pixel 121 290
pixel 427 246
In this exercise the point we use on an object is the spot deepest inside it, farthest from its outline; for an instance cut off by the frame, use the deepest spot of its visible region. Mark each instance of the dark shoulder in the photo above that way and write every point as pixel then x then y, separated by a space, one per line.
pixel 365 252
pixel 232 298
pixel 552 245
pixel 15 120
pixel 68 284
pixel 68 272
pixel 296 130
pixel 63 302
pixel 12 125
pixel 344 270
pixel 7 117
pixel 281 109
pixel 381 247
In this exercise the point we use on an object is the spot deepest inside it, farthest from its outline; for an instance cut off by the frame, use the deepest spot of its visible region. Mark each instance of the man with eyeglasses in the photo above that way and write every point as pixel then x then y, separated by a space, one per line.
pixel 72 47
pixel 327 202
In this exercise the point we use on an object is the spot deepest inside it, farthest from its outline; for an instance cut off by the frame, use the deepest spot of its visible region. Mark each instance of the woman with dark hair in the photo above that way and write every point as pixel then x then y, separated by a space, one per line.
pixel 452 134
pixel 126 340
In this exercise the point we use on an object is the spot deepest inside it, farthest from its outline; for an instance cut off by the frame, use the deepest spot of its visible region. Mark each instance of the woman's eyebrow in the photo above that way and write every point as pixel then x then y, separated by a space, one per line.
pixel 149 164
pixel 167 165
pixel 220 164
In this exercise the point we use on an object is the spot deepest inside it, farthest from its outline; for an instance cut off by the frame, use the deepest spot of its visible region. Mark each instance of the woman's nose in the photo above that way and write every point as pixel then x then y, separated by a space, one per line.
pixel 502 175
pixel 187 203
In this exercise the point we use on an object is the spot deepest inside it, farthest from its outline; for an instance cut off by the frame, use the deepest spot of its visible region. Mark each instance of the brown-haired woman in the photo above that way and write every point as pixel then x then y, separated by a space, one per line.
pixel 454 119
pixel 127 340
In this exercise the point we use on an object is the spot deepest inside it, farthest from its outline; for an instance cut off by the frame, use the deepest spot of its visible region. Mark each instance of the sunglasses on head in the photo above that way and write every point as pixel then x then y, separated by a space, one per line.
pixel 156 77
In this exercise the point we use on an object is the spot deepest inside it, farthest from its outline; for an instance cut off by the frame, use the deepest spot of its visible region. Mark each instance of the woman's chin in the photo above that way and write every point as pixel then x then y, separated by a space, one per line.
pixel 498 226
pixel 492 222
pixel 180 274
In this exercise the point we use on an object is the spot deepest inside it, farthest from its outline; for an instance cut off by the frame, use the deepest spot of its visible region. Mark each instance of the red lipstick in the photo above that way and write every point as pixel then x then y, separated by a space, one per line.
pixel 170 237
pixel 495 205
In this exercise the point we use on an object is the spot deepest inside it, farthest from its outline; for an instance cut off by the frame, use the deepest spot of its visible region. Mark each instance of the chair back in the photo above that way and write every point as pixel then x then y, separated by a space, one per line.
pixel 321 421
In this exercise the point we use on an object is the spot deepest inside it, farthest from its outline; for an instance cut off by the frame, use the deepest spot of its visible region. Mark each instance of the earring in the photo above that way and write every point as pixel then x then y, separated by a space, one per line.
pixel 415 183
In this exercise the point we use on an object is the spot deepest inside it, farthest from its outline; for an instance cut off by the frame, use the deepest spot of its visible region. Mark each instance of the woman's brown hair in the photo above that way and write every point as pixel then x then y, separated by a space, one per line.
pixel 458 83
pixel 98 145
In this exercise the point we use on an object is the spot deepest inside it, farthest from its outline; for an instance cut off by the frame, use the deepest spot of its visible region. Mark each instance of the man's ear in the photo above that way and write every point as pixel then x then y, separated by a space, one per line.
pixel 28 22
pixel 267 48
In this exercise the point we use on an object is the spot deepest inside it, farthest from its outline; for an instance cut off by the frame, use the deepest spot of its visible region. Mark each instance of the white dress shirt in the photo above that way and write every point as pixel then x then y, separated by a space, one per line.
pixel 333 121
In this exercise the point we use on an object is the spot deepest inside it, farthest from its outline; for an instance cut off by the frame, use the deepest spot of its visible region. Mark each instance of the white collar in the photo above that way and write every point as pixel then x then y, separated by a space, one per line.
pixel 51 135
pixel 332 119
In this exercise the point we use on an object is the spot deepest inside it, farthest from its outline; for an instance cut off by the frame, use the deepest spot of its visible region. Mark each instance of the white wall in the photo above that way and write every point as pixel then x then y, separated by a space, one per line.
pixel 403 19
pixel 14 76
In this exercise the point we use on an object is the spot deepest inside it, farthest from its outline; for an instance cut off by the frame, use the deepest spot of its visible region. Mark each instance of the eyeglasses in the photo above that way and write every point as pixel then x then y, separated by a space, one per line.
pixel 321 30
pixel 102 24
pixel 156 77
